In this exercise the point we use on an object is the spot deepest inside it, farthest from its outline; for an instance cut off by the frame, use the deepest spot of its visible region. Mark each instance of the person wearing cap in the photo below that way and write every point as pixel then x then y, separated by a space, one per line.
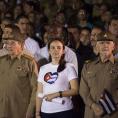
pixel 98 76
pixel 18 74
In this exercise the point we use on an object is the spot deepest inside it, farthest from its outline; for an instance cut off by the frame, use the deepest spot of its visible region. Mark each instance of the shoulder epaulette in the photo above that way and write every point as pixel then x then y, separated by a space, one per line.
pixel 27 54
pixel 3 52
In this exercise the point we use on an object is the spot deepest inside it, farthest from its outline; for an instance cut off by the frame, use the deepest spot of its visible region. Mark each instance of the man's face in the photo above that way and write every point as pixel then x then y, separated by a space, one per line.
pixel 9 43
pixel 105 47
pixel 23 24
pixel 113 27
pixel 75 33
pixel 7 33
pixel 81 15
pixel 94 33
pixel 13 47
pixel 85 37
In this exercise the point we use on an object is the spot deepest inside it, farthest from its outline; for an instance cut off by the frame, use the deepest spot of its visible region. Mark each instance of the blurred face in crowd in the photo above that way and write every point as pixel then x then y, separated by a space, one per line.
pixel 4 23
pixel 106 16
pixel 81 14
pixel 27 8
pixel 105 48
pixel 60 18
pixel 32 17
pixel 17 10
pixel 23 24
pixel 2 6
pixel 103 9
pixel 113 27
pixel 75 33
pixel 7 33
pixel 94 33
pixel 85 37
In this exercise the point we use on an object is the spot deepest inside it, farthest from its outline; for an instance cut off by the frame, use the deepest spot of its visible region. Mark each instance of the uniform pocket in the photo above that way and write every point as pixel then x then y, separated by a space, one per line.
pixel 22 72
pixel 91 77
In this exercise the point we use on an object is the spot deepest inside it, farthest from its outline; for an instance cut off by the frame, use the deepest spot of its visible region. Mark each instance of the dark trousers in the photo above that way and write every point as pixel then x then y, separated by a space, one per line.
pixel 63 114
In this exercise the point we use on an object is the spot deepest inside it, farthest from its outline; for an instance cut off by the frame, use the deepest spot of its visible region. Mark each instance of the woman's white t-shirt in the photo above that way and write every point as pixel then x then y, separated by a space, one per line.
pixel 55 82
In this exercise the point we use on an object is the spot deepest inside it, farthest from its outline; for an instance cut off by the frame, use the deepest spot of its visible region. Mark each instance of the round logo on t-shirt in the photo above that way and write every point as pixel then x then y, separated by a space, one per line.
pixel 50 77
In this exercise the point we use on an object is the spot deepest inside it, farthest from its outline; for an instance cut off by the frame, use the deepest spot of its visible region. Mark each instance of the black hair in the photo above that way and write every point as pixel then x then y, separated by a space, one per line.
pixel 98 27
pixel 86 28
pixel 20 17
pixel 62 61
pixel 114 17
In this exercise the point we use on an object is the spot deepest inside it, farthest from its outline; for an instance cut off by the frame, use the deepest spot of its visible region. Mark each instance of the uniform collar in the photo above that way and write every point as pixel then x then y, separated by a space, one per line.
pixel 16 57
pixel 111 59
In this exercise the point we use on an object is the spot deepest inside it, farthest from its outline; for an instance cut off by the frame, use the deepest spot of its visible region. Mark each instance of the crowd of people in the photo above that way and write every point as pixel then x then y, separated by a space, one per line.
pixel 58 58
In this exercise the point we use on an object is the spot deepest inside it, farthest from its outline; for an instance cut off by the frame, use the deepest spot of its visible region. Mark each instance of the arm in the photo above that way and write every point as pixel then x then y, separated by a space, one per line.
pixel 84 88
pixel 33 83
pixel 85 93
pixel 71 92
pixel 39 99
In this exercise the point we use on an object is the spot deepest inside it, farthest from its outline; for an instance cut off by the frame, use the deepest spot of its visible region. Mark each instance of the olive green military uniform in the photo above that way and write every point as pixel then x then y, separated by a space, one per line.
pixel 97 76
pixel 17 85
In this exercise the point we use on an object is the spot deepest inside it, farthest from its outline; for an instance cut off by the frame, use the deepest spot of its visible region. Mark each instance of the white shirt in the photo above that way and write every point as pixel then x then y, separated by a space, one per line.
pixel 55 82
pixel 32 46
pixel 70 56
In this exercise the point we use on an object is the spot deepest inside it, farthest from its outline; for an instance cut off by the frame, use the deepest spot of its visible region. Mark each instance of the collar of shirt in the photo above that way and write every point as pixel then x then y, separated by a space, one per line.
pixel 103 60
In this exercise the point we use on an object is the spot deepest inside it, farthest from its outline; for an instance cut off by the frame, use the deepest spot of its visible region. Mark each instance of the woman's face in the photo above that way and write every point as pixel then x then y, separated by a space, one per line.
pixel 56 49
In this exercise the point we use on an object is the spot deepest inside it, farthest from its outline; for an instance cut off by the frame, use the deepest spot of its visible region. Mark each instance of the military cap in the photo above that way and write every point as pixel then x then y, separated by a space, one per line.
pixel 14 34
pixel 105 36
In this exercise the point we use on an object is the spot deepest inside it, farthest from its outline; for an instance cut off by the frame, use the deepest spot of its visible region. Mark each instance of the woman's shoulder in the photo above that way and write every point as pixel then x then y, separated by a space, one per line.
pixel 45 66
pixel 70 65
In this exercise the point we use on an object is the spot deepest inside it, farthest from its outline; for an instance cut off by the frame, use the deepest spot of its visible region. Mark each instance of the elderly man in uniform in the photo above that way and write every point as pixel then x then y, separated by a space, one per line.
pixel 99 82
pixel 18 73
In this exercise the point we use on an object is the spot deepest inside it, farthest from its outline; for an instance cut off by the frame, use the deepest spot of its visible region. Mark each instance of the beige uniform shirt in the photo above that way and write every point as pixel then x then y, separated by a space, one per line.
pixel 17 86
pixel 97 76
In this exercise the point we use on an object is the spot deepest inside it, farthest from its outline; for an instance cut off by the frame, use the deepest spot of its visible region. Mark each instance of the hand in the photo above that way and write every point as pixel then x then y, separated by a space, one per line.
pixel 49 97
pixel 38 116
pixel 29 115
pixel 98 110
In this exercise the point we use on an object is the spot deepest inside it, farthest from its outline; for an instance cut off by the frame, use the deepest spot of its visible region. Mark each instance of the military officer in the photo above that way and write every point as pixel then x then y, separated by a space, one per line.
pixel 99 75
pixel 18 74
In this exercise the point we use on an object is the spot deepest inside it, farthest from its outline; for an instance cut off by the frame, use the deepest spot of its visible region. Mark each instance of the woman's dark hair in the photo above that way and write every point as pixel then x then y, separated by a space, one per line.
pixel 62 61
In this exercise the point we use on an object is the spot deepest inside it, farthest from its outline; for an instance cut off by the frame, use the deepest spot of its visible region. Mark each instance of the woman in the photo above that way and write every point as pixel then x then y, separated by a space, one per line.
pixel 57 82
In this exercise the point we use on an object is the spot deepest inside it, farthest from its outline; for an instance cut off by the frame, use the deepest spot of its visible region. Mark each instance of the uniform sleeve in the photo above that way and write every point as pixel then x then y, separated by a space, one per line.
pixel 33 82
pixel 72 74
pixel 84 88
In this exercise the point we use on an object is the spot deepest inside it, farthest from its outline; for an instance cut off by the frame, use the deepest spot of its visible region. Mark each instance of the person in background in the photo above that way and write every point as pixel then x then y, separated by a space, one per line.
pixel 57 82
pixel 113 29
pixel 30 44
pixel 93 38
pixel 82 17
pixel 18 74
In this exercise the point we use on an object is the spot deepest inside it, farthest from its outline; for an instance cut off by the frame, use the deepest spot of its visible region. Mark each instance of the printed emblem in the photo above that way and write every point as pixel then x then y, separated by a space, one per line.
pixel 50 77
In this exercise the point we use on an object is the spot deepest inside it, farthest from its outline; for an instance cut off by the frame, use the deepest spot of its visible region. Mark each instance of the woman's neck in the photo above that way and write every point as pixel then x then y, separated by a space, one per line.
pixel 55 61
